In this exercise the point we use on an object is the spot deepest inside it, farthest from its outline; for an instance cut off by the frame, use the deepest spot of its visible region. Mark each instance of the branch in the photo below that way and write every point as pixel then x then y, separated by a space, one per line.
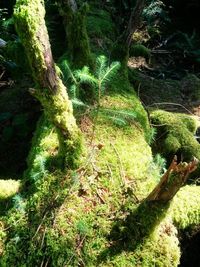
pixel 172 180
pixel 134 20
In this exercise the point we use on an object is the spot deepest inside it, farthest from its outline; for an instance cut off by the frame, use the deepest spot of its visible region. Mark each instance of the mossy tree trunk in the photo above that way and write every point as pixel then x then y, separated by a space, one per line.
pixel 74 20
pixel 30 25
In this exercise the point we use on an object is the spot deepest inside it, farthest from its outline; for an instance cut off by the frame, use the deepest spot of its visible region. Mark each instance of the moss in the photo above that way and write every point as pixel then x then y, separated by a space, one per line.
pixel 28 17
pixel 190 86
pixel 175 135
pixel 61 115
pixel 8 188
pixel 77 37
pixel 44 145
pixel 92 216
pixel 51 92
pixel 128 101
pixel 138 50
pixel 100 24
pixel 185 208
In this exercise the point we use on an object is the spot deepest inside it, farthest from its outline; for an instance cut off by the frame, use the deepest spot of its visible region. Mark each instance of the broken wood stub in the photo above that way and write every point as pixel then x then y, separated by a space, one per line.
pixel 172 180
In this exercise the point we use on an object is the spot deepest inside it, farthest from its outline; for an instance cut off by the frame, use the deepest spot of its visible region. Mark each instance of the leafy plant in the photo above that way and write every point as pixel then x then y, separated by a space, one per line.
pixel 103 75
pixel 155 9
pixel 98 81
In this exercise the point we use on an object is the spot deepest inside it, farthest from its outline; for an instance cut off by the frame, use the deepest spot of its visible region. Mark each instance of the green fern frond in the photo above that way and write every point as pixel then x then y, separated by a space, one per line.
pixel 118 121
pixel 73 91
pixel 111 71
pixel 127 114
pixel 67 72
pixel 85 76
pixel 119 117
pixel 101 64
pixel 78 102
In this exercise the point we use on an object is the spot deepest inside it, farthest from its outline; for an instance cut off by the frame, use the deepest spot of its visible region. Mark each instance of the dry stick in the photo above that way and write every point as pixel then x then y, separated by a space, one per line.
pixel 165 191
pixel 2 74
pixel 38 229
pixel 122 175
pixel 110 171
pixel 175 104
pixel 79 245
pixel 42 243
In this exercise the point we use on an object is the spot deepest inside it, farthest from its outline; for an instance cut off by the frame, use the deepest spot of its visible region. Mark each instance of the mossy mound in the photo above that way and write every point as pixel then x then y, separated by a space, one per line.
pixel 175 135
pixel 185 208
pixel 139 50
pixel 8 188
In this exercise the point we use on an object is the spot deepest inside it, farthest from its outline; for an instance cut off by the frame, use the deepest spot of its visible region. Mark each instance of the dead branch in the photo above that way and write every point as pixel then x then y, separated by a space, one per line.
pixel 172 180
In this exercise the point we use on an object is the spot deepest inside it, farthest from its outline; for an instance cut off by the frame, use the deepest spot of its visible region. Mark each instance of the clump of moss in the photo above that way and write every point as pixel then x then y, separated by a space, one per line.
pixel 8 188
pixel 100 24
pixel 185 208
pixel 139 50
pixel 175 135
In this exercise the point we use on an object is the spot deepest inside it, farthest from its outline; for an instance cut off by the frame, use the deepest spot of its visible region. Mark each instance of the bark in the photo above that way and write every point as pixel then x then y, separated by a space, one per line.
pixel 134 20
pixel 31 28
pixel 174 178
pixel 74 20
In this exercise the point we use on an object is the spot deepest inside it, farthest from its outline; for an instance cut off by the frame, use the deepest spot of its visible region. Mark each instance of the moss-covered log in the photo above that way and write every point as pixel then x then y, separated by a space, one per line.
pixel 30 25
pixel 74 20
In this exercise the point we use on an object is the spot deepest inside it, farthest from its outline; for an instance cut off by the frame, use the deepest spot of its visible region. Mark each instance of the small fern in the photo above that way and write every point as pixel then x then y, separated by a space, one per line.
pixel 103 75
pixel 98 81
pixel 84 76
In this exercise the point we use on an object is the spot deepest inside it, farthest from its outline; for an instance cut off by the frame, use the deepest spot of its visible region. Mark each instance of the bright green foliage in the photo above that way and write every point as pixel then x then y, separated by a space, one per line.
pixel 139 50
pixel 175 135
pixel 99 82
pixel 44 139
pixel 104 75
pixel 8 188
pixel 64 213
pixel 185 208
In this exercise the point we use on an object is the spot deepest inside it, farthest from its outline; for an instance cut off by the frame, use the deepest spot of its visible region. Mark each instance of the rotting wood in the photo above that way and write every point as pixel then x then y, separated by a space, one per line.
pixel 172 180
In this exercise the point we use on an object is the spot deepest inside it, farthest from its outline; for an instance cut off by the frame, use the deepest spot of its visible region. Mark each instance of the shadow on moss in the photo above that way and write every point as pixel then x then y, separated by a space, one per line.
pixel 130 233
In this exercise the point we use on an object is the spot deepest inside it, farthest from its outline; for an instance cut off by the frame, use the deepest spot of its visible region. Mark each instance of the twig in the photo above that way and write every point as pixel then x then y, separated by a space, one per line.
pixel 110 171
pixel 38 229
pixel 120 163
pixel 2 74
pixel 168 103
pixel 100 197
pixel 42 243
pixel 79 245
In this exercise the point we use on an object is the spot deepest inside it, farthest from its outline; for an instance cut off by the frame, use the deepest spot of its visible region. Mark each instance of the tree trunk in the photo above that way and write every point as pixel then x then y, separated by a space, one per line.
pixel 30 25
pixel 134 20
pixel 74 20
